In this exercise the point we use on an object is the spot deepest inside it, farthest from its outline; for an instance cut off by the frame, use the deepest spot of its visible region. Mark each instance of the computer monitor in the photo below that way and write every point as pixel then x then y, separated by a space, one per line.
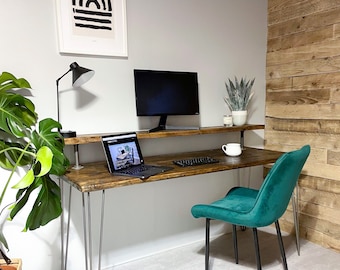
pixel 163 93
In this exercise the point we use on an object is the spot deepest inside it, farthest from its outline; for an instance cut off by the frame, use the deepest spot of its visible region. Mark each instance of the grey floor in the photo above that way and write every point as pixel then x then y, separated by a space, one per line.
pixel 191 257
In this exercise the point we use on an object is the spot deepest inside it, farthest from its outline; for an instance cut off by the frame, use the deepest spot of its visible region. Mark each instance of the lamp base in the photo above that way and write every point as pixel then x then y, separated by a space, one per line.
pixel 68 133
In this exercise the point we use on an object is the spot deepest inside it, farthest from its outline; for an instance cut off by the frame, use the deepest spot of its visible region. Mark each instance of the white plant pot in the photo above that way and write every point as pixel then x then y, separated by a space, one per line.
pixel 239 117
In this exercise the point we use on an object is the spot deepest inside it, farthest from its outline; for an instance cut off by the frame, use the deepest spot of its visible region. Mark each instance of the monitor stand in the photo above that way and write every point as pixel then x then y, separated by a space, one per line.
pixel 162 126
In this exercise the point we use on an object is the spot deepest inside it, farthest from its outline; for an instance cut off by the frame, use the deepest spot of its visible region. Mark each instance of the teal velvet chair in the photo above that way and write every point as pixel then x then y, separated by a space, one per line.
pixel 252 208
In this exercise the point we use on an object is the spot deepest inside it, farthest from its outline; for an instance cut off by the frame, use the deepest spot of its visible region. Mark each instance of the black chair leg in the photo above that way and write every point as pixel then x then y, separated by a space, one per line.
pixel 235 244
pixel 282 249
pixel 207 242
pixel 257 249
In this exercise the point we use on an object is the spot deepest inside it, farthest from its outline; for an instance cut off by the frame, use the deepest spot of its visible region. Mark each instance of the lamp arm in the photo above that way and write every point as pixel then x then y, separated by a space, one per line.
pixel 57 82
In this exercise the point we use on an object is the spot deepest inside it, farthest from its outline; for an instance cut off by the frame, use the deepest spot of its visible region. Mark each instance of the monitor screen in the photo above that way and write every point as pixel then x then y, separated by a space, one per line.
pixel 163 93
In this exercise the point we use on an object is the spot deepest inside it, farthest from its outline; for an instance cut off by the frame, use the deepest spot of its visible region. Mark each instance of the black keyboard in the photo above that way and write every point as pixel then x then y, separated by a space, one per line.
pixel 195 161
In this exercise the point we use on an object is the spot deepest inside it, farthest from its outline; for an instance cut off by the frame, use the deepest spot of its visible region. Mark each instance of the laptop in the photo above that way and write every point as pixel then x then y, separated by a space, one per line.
pixel 124 156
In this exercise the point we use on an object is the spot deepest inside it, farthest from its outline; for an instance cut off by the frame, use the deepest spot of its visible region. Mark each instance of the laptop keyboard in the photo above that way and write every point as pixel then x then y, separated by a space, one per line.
pixel 195 161
pixel 134 170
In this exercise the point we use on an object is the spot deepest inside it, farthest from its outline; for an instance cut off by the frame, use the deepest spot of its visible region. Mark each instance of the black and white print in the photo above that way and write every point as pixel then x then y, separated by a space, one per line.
pixel 94 27
pixel 92 14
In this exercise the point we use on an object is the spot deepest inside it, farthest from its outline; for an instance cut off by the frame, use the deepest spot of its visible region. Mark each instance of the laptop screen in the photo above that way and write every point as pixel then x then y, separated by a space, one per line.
pixel 122 151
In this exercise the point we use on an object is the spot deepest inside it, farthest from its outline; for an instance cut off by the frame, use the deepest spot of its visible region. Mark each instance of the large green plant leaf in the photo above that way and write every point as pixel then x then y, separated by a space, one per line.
pixel 9 81
pixel 17 114
pixel 53 140
pixel 26 181
pixel 10 154
pixel 4 161
pixel 44 157
pixel 47 205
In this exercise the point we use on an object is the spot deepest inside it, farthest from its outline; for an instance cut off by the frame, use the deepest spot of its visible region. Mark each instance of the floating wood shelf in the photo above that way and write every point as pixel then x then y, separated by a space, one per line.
pixel 95 138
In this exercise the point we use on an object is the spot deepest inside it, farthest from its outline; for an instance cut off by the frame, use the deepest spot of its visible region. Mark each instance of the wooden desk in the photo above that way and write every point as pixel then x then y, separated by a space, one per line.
pixel 95 177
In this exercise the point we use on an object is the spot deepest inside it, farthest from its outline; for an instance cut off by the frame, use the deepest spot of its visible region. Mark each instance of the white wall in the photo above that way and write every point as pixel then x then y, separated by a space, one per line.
pixel 218 39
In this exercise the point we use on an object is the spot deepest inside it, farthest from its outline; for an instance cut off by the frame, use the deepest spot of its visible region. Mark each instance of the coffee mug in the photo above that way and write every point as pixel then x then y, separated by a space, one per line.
pixel 232 149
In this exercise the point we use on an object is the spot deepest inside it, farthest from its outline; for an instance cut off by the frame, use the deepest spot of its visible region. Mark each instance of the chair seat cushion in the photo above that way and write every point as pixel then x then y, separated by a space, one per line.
pixel 242 199
pixel 233 208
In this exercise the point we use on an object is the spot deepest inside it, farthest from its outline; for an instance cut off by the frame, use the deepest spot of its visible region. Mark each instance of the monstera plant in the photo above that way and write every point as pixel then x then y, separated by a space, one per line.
pixel 31 151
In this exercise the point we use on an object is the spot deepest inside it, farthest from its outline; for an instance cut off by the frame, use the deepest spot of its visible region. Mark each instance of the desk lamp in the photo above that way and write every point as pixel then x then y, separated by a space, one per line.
pixel 80 75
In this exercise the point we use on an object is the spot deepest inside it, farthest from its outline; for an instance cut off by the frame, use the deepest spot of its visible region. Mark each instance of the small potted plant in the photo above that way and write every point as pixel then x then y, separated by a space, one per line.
pixel 36 148
pixel 238 97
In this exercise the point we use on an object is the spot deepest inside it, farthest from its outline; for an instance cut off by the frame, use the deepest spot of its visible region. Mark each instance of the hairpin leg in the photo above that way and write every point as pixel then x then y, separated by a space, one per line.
pixel 87 232
pixel 65 242
pixel 101 230
pixel 87 220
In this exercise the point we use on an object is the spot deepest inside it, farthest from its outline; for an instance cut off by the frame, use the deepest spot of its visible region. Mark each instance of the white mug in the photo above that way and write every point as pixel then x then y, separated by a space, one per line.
pixel 232 149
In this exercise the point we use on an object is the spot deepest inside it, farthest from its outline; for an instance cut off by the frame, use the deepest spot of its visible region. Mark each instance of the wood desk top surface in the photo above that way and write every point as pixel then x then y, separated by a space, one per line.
pixel 95 176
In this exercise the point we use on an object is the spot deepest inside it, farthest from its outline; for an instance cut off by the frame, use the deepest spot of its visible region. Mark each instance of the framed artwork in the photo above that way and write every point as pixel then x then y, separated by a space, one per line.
pixel 93 27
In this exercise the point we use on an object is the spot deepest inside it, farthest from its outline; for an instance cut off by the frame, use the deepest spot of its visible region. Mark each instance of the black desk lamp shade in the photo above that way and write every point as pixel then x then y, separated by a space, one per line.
pixel 80 75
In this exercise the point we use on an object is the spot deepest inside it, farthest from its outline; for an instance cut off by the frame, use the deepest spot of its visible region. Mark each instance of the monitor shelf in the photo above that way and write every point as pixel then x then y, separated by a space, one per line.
pixel 95 138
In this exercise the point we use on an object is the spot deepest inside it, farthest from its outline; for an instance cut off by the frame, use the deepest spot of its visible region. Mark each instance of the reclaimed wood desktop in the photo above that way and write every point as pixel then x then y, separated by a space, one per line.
pixel 95 176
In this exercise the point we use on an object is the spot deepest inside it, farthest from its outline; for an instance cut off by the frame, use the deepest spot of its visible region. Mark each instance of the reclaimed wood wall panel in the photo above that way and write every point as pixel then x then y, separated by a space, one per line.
pixel 280 11
pixel 303 107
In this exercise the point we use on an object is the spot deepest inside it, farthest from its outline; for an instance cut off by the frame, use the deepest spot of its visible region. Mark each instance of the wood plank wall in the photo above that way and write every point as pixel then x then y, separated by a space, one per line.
pixel 303 107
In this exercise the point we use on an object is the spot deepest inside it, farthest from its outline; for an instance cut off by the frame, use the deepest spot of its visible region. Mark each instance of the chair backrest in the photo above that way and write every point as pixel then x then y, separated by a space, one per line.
pixel 278 186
